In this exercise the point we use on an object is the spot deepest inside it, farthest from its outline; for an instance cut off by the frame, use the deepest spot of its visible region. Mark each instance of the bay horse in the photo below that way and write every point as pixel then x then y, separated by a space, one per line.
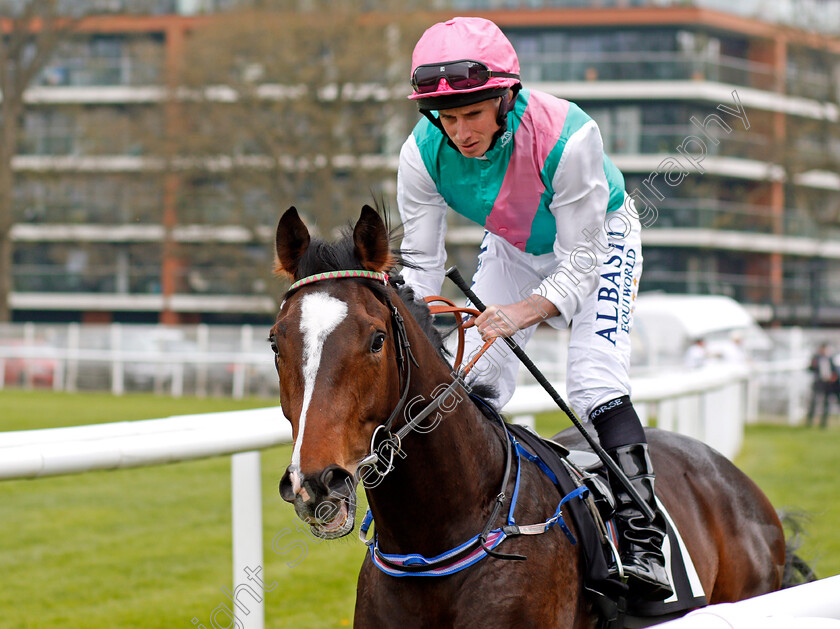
pixel 353 353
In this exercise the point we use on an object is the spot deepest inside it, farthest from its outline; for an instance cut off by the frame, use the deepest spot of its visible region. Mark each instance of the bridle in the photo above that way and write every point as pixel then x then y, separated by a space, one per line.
pixel 389 442
pixel 385 443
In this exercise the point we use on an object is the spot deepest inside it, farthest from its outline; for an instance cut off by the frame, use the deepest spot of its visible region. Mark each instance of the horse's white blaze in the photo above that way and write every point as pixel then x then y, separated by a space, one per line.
pixel 320 315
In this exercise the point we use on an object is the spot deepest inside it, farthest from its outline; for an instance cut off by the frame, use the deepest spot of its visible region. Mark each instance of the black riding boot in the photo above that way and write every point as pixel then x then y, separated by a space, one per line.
pixel 640 540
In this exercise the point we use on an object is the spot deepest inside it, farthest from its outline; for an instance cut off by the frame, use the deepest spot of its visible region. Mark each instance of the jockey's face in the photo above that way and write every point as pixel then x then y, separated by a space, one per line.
pixel 472 127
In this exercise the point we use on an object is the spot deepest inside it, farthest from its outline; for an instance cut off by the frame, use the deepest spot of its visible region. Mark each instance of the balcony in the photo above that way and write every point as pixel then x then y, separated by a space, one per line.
pixel 49 278
pixel 105 61
pixel 802 299
pixel 665 139
pixel 644 66
pixel 731 216
pixel 138 280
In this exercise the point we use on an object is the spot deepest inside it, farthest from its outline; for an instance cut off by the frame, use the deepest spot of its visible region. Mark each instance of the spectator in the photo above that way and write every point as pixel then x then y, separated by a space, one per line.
pixel 825 383
pixel 732 351
pixel 697 354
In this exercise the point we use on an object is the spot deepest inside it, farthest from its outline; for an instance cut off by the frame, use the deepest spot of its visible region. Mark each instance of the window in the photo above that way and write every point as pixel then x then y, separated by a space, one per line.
pixel 105 60
pixel 48 132
pixel 112 199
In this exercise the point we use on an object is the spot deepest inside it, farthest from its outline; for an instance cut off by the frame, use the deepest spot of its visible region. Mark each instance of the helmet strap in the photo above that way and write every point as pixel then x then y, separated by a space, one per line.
pixel 506 105
pixel 436 121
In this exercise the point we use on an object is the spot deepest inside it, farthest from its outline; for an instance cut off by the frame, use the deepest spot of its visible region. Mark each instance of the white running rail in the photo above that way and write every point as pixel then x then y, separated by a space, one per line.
pixel 58 451
pixel 809 606
pixel 710 404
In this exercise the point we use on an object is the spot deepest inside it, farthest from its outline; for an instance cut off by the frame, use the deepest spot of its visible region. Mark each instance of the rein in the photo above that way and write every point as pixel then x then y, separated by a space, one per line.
pixel 484 543
pixel 481 545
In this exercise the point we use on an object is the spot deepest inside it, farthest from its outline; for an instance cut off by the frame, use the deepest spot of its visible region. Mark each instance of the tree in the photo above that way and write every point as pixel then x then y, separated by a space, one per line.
pixel 30 32
pixel 292 106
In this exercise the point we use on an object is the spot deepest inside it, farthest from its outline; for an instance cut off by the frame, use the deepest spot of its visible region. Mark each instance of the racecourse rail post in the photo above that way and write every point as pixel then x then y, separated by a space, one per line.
pixel 453 274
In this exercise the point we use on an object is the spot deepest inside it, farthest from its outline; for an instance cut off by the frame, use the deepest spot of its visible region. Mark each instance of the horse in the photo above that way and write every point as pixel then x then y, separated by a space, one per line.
pixel 355 354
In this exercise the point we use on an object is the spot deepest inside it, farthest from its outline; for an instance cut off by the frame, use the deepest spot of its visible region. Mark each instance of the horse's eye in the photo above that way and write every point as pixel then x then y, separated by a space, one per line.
pixel 377 342
pixel 273 341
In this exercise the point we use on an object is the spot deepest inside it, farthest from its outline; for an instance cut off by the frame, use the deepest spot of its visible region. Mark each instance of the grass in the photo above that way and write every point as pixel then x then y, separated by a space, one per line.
pixel 799 470
pixel 24 410
pixel 150 547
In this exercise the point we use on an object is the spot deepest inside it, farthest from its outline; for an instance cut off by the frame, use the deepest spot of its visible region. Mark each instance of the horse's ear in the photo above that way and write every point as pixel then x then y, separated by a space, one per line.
pixel 370 237
pixel 291 242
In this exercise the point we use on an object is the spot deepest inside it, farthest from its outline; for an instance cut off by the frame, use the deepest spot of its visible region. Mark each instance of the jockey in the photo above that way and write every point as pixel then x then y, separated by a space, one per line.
pixel 561 243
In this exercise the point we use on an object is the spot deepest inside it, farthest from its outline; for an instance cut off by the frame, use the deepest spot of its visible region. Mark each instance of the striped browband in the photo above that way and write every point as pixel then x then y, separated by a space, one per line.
pixel 380 276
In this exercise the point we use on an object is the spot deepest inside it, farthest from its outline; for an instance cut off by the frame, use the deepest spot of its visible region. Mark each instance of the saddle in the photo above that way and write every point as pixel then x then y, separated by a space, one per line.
pixel 596 534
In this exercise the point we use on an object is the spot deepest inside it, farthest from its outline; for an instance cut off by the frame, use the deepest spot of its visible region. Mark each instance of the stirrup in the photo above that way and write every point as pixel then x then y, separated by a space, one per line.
pixel 653 588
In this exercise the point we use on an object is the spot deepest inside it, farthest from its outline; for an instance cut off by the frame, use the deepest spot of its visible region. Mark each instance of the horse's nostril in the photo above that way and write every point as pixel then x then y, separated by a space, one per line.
pixel 333 482
pixel 286 491
pixel 327 477
pixel 338 482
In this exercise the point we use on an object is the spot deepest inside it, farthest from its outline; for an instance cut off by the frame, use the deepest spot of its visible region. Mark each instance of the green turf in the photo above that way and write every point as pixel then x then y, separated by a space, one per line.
pixel 24 410
pixel 151 548
pixel 799 470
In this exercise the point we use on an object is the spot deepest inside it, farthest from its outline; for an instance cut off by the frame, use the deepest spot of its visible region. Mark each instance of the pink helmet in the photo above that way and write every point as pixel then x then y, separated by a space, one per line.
pixel 463 56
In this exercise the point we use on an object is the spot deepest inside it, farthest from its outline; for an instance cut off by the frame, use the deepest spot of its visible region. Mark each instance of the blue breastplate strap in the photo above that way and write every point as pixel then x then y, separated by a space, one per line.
pixel 471 551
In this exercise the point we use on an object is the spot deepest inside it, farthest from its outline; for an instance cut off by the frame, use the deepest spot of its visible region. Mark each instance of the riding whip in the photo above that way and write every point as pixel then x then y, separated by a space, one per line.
pixel 453 274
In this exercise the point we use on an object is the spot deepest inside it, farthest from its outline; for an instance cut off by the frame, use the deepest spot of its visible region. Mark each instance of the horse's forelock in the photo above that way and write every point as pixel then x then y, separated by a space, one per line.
pixel 322 256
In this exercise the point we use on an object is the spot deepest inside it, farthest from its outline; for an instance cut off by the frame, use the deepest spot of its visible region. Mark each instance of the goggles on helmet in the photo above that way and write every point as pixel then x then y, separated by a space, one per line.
pixel 460 75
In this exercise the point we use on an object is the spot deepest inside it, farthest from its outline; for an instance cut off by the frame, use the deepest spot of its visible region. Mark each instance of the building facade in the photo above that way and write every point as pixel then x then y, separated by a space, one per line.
pixel 723 124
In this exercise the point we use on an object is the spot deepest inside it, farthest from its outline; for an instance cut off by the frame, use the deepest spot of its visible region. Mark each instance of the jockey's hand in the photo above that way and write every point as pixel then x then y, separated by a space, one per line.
pixel 497 321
